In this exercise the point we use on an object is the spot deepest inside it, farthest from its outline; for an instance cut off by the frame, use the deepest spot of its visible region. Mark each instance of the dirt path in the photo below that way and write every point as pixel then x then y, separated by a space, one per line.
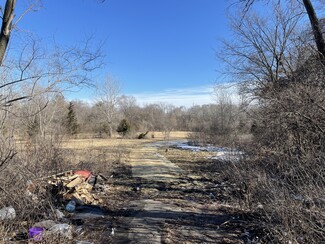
pixel 161 214
pixel 148 164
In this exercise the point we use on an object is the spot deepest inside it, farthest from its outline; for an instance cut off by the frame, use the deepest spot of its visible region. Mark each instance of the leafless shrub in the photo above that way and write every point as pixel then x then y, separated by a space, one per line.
pixel 283 181
pixel 31 205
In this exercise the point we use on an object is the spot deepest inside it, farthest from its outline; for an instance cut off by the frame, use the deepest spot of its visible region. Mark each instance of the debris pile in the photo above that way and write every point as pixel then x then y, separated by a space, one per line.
pixel 76 186
pixel 76 190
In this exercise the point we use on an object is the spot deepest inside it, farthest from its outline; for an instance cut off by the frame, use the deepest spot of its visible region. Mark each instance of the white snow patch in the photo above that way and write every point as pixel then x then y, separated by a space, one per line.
pixel 222 153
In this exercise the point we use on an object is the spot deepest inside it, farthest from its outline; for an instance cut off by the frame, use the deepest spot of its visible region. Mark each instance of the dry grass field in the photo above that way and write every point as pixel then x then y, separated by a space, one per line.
pixel 89 142
pixel 89 148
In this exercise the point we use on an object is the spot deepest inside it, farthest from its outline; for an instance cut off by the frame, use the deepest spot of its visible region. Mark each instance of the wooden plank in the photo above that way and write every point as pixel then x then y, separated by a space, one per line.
pixel 75 182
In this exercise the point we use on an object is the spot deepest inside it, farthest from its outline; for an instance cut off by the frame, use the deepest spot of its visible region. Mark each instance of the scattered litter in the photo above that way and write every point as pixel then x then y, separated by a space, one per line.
pixel 63 230
pixel 7 213
pixel 59 214
pixel 36 233
pixel 71 206
pixel 46 224
pixel 79 190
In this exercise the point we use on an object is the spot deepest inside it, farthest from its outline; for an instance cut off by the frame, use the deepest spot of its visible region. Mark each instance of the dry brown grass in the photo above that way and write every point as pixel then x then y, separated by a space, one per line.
pixel 98 143
pixel 174 135
pixel 88 141
pixel 87 148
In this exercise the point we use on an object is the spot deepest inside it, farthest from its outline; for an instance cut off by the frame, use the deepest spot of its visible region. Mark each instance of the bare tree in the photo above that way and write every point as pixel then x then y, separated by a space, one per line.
pixel 8 24
pixel 313 19
pixel 154 117
pixel 259 52
pixel 36 66
pixel 223 125
pixel 10 20
pixel 131 111
pixel 168 119
pixel 109 95
pixel 286 76
pixel 34 75
pixel 317 30
pixel 6 28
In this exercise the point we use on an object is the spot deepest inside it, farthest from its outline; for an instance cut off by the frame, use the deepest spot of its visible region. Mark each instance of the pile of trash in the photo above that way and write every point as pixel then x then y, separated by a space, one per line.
pixel 77 186
pixel 74 186
pixel 73 189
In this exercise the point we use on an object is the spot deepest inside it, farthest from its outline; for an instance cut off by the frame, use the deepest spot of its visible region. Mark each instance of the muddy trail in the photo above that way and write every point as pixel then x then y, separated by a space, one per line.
pixel 156 201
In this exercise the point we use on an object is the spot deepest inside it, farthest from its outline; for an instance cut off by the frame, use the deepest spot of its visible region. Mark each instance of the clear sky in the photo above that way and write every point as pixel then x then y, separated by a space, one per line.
pixel 160 50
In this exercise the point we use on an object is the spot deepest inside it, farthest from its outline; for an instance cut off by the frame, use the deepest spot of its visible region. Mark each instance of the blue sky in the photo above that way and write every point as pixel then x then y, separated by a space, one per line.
pixel 158 49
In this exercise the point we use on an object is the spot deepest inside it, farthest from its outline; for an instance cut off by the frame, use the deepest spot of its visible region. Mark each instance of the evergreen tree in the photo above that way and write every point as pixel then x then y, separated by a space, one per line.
pixel 71 120
pixel 124 127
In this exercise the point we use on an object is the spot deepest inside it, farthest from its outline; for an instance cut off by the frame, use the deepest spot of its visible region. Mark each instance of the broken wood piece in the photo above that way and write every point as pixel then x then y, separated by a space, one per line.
pixel 84 186
pixel 57 175
pixel 74 182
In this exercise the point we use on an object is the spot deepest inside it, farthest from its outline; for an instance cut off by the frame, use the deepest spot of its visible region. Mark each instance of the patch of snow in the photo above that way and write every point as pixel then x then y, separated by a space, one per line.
pixel 229 155
pixel 222 153
pixel 186 146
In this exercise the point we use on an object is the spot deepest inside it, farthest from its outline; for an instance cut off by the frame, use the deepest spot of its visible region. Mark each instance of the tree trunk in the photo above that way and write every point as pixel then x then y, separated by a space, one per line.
pixel 110 130
pixel 317 31
pixel 7 18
